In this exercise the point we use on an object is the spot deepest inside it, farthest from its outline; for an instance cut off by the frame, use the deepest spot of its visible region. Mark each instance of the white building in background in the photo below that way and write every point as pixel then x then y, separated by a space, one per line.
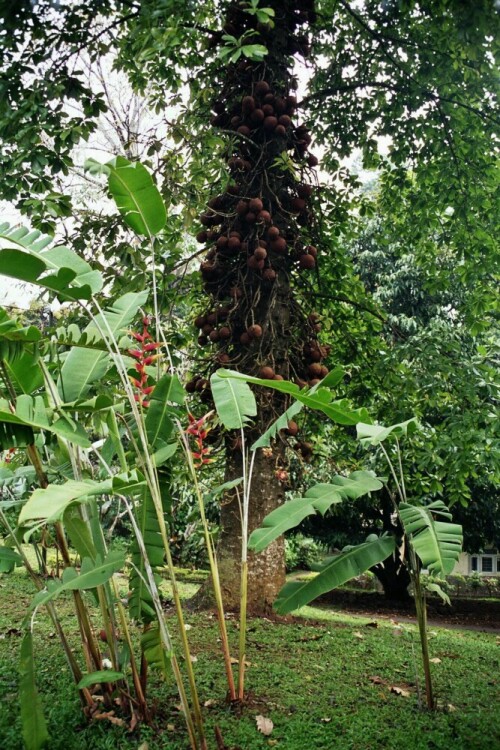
pixel 486 563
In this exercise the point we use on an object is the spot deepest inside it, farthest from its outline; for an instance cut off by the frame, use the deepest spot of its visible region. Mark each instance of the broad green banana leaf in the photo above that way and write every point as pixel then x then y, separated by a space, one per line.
pixel 349 564
pixel 437 543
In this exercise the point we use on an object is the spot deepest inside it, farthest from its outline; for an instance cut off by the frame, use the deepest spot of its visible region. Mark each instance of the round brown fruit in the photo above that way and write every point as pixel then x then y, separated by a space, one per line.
pixel 244 338
pixel 200 321
pixel 251 217
pixel 223 359
pixel 260 253
pixel 206 329
pixel 257 116
pixel 221 242
pixel 313 382
pixel 266 373
pixel 285 121
pixel 234 243
pixel 307 261
pixel 255 331
pixel 273 233
pixel 214 336
pixel 292 428
pixel 248 104
pixel 236 121
pixel 279 105
pixel 311 250
pixel 315 369
pixel 264 216
pixel 278 377
pixel 224 332
pixel 202 237
pixel 191 385
pixel 304 191
pixel 244 130
pixel 269 274
pixel 280 131
pixel 324 371
pixel 312 160
pixel 202 340
pixel 255 205
pixel 279 245
pixel 261 88
pixel 241 207
pixel 268 110
pixel 269 124
pixel 236 163
pixel 298 205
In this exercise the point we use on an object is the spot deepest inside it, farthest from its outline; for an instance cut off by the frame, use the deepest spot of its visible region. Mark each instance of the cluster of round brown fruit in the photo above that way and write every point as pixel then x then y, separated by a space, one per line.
pixel 258 231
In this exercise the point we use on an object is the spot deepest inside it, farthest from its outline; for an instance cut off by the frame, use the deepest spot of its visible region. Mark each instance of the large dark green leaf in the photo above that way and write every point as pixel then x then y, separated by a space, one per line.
pixel 83 367
pixel 373 434
pixel 234 401
pixel 35 734
pixel 437 543
pixel 154 651
pixel 320 400
pixel 93 573
pixel 317 499
pixel 167 394
pixel 9 558
pixel 136 195
pixel 33 414
pixel 141 602
pixel 339 570
pixel 49 504
pixel 103 675
pixel 24 256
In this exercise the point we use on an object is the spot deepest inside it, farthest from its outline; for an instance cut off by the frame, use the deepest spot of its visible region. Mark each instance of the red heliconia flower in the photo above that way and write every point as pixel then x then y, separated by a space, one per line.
pixel 144 358
pixel 199 430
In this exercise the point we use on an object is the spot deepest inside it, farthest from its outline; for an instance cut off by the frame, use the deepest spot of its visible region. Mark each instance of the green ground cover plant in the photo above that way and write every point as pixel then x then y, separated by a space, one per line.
pixel 324 679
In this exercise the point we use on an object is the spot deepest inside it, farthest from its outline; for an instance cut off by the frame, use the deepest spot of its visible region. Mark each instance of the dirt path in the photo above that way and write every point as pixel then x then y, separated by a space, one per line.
pixel 479 615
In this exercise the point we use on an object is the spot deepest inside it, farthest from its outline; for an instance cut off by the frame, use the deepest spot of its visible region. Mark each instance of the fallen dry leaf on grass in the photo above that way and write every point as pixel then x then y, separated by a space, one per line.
pixel 237 661
pixel 376 680
pixel 359 635
pixel 400 691
pixel 435 660
pixel 110 716
pixel 264 725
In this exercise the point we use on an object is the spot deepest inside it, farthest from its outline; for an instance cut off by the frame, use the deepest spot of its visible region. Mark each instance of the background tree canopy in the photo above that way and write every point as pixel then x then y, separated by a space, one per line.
pixel 407 278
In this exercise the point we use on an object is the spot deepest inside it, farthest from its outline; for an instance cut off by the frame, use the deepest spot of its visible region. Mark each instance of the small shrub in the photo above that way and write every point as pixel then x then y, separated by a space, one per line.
pixel 301 552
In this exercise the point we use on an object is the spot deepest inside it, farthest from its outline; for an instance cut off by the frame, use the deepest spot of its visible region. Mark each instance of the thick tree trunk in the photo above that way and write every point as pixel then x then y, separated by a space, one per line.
pixel 265 225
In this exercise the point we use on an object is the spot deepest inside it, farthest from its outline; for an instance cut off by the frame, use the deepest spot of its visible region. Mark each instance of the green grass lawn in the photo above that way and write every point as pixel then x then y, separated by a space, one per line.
pixel 324 680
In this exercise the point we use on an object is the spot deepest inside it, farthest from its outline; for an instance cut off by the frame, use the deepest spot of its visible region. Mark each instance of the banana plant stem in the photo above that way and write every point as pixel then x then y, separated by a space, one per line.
pixel 243 629
pixel 421 608
pixel 214 570
pixel 135 674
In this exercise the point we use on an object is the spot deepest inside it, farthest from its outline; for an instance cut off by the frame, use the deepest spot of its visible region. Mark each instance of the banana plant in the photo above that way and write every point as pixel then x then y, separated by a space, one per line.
pixel 432 542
